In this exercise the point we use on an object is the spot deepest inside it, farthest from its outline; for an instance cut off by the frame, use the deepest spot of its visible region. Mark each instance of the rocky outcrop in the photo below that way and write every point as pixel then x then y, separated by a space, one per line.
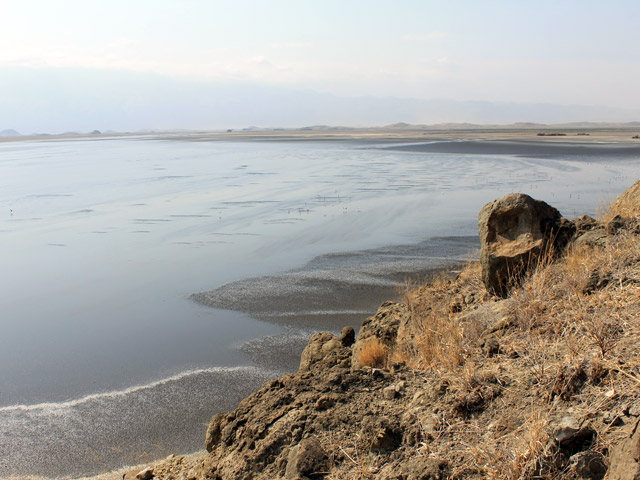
pixel 390 318
pixel 292 426
pixel 515 232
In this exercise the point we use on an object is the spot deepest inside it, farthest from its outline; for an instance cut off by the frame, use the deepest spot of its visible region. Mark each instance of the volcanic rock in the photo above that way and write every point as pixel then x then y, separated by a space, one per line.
pixel 515 232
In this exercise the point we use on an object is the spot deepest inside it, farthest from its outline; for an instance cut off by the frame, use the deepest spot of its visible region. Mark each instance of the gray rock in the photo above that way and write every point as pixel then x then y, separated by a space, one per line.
pixel 347 336
pixel 515 232
pixel 634 409
pixel 593 238
pixel 566 429
pixel 571 435
pixel 584 224
pixel 389 393
pixel 382 434
pixel 306 460
pixel 589 465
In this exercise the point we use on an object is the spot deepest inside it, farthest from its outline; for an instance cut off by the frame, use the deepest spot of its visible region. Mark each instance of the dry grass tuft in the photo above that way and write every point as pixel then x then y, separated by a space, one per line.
pixel 374 353
pixel 438 331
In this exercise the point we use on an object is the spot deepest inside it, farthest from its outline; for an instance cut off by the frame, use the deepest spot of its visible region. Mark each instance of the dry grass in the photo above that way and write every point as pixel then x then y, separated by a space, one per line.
pixel 438 331
pixel 374 353
pixel 626 205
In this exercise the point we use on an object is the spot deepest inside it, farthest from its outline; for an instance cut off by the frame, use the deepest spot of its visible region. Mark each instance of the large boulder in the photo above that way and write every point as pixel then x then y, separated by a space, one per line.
pixel 515 232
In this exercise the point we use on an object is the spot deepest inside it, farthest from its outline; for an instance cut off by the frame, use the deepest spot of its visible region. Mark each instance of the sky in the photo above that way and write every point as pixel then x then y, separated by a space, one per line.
pixel 66 62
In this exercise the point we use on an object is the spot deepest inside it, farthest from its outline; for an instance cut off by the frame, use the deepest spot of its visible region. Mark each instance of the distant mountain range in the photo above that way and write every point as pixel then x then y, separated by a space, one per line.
pixel 123 101
pixel 9 133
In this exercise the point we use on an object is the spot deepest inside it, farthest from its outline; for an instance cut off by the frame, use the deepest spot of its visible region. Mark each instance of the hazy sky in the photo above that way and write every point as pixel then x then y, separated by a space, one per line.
pixel 561 51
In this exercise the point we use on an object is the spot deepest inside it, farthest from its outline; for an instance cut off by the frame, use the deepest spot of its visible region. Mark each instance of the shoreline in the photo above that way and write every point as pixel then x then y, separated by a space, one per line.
pixel 539 134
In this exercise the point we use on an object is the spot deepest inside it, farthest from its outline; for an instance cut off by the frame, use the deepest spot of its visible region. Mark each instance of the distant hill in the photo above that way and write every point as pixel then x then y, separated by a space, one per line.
pixel 514 126
pixel 9 133
pixel 151 102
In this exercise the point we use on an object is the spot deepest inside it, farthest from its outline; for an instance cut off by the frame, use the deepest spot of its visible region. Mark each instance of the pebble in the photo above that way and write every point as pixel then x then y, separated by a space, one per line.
pixel 389 393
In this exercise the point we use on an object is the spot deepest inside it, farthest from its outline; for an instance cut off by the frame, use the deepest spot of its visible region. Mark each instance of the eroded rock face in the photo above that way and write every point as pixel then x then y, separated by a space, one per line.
pixel 283 430
pixel 515 232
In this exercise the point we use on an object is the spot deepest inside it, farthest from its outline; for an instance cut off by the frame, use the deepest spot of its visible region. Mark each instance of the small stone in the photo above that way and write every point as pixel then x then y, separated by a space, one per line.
pixel 400 386
pixel 634 410
pixel 612 419
pixel 490 345
pixel 418 396
pixel 567 429
pixel 610 393
pixel 348 336
pixel 589 465
pixel 146 474
pixel 325 402
pixel 571 435
pixel 398 366
pixel 306 459
pixel 389 393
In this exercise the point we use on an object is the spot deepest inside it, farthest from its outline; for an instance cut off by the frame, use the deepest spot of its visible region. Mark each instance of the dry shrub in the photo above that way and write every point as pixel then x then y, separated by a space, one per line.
pixel 438 333
pixel 373 353
pixel 517 455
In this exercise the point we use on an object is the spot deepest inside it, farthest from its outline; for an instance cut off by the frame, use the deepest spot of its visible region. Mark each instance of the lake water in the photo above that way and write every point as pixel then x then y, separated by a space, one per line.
pixel 106 360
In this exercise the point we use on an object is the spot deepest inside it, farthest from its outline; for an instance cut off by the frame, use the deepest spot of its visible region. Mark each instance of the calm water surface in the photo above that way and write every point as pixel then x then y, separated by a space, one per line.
pixel 104 358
